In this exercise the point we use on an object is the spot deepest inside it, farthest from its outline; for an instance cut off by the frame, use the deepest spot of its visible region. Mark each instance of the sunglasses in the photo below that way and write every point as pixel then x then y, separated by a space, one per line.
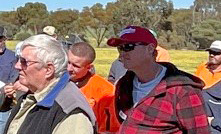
pixel 214 53
pixel 24 62
pixel 127 47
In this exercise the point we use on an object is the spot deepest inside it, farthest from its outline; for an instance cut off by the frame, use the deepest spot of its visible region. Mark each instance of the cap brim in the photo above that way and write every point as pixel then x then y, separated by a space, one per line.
pixel 114 42
pixel 213 49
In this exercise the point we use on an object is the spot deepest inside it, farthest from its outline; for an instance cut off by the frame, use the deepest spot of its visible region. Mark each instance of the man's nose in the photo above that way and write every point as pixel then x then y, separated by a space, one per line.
pixel 70 67
pixel 18 65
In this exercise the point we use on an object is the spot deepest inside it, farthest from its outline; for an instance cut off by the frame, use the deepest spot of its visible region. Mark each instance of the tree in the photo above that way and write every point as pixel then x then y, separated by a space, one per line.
pixel 152 14
pixel 9 21
pixel 32 12
pixel 65 21
pixel 208 9
pixel 95 21
pixel 206 33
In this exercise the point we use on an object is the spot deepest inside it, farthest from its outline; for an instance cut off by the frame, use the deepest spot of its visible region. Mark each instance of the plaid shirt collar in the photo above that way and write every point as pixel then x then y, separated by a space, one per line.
pixel 173 77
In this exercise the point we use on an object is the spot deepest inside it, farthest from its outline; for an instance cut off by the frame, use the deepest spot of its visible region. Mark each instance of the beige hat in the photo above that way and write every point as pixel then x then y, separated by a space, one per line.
pixel 50 30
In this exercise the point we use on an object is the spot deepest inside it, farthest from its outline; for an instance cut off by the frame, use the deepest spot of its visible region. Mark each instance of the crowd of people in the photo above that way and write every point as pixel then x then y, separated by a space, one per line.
pixel 51 87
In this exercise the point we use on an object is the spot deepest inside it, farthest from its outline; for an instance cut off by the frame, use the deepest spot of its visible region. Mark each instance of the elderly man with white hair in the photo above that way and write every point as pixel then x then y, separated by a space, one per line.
pixel 55 105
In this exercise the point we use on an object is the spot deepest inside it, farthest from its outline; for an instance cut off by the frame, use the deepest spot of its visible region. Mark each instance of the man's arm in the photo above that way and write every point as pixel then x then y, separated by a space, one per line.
pixel 191 112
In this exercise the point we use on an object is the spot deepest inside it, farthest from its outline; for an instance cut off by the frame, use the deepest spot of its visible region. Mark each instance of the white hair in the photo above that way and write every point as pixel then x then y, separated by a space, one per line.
pixel 48 49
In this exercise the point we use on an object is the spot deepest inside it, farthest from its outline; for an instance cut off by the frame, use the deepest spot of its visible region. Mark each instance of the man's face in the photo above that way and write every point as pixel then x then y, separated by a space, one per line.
pixel 2 43
pixel 133 55
pixel 78 67
pixel 31 71
pixel 214 58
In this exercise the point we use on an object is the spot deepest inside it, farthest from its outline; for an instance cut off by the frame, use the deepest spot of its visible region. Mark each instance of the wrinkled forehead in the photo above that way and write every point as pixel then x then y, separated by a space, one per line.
pixel 28 51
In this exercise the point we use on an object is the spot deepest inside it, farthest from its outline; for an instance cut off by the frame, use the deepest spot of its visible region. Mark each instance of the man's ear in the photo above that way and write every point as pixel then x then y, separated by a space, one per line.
pixel 89 66
pixel 50 70
pixel 151 48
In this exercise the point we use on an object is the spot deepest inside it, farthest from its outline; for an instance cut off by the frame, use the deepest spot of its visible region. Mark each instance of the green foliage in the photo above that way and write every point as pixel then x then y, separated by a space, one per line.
pixel 191 28
pixel 32 15
pixel 206 32
pixel 65 21
pixel 22 36
pixel 94 22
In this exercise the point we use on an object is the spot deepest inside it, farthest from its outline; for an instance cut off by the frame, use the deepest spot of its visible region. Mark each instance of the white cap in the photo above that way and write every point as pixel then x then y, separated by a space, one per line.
pixel 50 30
pixel 215 46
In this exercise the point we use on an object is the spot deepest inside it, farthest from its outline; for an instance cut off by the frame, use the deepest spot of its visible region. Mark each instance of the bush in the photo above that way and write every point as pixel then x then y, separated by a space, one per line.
pixel 22 36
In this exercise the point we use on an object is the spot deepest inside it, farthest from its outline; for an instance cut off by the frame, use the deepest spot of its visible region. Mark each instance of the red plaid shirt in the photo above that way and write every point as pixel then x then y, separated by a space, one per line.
pixel 174 106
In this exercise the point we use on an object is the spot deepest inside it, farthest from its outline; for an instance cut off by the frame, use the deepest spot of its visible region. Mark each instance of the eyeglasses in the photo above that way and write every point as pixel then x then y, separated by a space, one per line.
pixel 127 47
pixel 214 53
pixel 24 62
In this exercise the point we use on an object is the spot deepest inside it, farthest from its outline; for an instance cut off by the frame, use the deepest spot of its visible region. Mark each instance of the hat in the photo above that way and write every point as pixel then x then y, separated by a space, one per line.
pixel 133 34
pixel 3 31
pixel 72 39
pixel 50 30
pixel 215 46
pixel 154 33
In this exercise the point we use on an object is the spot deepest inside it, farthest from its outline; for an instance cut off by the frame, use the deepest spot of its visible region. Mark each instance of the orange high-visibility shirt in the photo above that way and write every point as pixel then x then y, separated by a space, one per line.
pixel 208 77
pixel 162 55
pixel 100 95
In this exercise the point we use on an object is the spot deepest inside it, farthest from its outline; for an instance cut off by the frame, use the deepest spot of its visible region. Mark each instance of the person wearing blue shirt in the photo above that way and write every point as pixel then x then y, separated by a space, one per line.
pixel 8 74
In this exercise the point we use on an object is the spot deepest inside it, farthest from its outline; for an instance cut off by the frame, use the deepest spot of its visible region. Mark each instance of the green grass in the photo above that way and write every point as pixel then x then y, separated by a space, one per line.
pixel 104 58
pixel 11 44
pixel 186 60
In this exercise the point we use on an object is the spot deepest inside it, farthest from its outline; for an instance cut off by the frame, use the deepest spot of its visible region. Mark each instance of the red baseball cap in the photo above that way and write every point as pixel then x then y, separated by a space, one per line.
pixel 133 34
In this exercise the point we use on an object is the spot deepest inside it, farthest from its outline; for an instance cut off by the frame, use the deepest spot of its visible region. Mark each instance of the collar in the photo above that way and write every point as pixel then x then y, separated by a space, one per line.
pixel 49 99
pixel 3 50
pixel 84 80
pixel 173 77
pixel 212 70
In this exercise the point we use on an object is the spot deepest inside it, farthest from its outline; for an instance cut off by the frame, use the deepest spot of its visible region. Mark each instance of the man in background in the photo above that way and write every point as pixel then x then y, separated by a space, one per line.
pixel 210 71
pixel 155 97
pixel 8 74
pixel 96 89
pixel 117 69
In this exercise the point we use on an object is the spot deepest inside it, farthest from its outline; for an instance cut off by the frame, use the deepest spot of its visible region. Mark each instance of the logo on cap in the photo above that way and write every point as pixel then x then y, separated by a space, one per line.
pixel 127 31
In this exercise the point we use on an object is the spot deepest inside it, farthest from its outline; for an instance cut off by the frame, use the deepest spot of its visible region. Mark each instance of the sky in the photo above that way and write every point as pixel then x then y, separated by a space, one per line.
pixel 10 5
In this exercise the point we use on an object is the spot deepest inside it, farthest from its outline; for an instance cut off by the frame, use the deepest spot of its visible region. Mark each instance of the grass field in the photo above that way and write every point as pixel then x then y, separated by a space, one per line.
pixel 186 60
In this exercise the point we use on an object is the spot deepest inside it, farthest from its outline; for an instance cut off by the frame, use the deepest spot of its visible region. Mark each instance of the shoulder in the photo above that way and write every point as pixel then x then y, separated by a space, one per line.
pixel 97 79
pixel 202 65
pixel 183 80
pixel 10 54
pixel 71 98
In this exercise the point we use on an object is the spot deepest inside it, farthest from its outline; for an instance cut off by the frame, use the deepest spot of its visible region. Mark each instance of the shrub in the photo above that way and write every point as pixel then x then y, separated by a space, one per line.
pixel 22 35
